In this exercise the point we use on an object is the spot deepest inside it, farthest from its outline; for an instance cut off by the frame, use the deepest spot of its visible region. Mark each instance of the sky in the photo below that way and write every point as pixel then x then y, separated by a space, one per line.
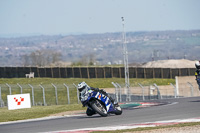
pixel 96 16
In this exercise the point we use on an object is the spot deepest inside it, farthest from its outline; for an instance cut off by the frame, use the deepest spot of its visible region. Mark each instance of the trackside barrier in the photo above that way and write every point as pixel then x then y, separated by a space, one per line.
pixel 20 87
pixel 43 92
pixel 1 102
pixel 32 89
pixel 175 91
pixel 116 91
pixel 94 72
pixel 143 98
pixel 158 91
pixel 67 93
pixel 56 93
pixel 191 89
pixel 149 92
pixel 10 90
pixel 186 89
pixel 77 92
pixel 120 92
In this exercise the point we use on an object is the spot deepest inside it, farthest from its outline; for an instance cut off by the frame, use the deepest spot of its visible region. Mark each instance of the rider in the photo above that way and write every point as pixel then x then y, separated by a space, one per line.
pixel 197 73
pixel 82 87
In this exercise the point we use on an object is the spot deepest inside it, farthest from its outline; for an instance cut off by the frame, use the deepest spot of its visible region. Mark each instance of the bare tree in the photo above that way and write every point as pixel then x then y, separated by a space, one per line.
pixel 42 58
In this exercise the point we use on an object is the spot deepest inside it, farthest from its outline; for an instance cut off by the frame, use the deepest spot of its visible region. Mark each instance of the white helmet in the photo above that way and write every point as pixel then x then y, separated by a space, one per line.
pixel 82 86
pixel 197 64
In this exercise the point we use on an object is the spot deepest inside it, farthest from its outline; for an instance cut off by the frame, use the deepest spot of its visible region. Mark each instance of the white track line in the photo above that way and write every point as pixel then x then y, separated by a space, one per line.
pixel 40 119
pixel 129 126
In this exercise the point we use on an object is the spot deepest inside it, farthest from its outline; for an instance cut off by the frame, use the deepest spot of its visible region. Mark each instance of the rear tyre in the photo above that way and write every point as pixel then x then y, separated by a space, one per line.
pixel 99 108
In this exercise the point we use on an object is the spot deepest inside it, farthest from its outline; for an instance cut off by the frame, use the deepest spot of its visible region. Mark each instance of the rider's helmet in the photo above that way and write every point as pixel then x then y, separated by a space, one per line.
pixel 197 64
pixel 82 86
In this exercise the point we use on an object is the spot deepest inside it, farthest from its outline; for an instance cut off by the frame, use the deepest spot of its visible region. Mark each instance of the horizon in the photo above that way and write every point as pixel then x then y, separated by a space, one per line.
pixel 18 35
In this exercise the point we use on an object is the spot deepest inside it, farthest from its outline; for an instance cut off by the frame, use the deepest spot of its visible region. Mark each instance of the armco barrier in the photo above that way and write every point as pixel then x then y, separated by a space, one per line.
pixel 94 72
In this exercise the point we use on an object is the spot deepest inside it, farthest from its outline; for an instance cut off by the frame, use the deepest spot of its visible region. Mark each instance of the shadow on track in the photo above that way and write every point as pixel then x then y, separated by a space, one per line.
pixel 195 101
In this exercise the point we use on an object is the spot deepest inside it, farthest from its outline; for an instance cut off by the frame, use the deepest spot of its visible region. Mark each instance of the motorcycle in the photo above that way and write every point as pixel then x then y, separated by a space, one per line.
pixel 99 103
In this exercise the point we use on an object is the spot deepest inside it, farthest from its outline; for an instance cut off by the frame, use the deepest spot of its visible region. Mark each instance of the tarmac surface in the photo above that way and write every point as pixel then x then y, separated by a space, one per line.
pixel 145 112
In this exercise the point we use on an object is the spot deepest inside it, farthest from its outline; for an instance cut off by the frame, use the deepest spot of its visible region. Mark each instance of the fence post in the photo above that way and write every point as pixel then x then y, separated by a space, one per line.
pixel 191 89
pixel 80 72
pixel 177 87
pixel 143 98
pixel 67 93
pixel 20 87
pixel 9 88
pixel 175 92
pixel 116 91
pixel 77 92
pixel 56 94
pixel 1 103
pixel 88 74
pixel 33 101
pixel 44 100
pixel 120 92
pixel 158 91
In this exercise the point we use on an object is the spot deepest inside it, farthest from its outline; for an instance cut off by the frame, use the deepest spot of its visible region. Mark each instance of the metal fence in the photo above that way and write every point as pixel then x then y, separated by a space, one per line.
pixel 42 94
pixel 153 91
pixel 59 94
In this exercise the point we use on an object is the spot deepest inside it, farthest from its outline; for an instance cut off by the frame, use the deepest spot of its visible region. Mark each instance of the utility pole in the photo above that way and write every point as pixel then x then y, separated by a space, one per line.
pixel 126 70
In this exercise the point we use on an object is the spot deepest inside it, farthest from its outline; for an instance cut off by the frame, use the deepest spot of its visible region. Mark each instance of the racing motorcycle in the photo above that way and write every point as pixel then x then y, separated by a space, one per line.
pixel 99 103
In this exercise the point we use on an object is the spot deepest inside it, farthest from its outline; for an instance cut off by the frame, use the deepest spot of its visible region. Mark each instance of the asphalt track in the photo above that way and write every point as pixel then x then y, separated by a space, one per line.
pixel 182 108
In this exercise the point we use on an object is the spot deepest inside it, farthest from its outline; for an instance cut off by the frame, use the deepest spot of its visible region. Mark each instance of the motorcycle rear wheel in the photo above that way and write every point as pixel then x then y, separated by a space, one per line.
pixel 99 108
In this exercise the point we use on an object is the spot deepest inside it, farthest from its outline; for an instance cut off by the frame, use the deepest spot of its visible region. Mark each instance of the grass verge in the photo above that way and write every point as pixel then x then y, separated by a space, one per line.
pixel 96 82
pixel 35 112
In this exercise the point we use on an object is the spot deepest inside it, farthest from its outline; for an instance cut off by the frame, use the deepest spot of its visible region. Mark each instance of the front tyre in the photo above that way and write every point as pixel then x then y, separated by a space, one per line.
pixel 99 108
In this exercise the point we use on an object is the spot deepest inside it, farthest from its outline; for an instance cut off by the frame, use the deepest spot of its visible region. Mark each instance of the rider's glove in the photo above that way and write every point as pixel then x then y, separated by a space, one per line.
pixel 103 91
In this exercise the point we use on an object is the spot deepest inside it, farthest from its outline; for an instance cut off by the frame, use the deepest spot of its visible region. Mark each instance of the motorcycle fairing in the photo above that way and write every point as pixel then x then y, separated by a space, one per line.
pixel 105 100
pixel 93 94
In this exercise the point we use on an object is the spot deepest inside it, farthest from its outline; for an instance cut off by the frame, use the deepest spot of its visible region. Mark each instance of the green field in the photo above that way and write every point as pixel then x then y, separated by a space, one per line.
pixel 96 82
pixel 35 112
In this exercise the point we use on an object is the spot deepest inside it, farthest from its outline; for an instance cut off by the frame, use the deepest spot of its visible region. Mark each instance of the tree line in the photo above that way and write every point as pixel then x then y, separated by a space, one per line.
pixel 41 58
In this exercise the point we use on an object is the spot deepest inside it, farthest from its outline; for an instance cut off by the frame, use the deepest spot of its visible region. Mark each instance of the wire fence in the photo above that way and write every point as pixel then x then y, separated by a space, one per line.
pixel 41 95
pixel 187 88
pixel 60 94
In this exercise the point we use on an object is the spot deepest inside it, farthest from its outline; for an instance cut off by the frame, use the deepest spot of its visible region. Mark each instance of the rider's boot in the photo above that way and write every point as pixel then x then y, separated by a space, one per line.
pixel 90 112
pixel 116 104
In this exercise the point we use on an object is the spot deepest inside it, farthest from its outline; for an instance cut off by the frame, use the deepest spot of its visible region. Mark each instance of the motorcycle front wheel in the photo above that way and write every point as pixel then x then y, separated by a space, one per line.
pixel 99 108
